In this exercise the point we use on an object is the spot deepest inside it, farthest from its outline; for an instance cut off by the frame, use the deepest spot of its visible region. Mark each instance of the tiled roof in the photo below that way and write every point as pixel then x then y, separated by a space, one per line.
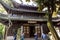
pixel 8 8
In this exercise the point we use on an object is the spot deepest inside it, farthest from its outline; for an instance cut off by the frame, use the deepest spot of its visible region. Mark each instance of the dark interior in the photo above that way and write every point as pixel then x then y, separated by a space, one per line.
pixel 32 31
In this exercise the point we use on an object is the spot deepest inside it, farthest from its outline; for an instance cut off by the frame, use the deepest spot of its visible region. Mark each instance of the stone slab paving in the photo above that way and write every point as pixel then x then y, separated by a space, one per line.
pixel 32 39
pixel 12 38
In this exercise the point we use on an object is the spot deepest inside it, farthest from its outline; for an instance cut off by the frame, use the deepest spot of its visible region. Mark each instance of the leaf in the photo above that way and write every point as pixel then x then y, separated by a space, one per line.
pixel 54 14
pixel 27 0
pixel 38 2
pixel 2 27
pixel 2 10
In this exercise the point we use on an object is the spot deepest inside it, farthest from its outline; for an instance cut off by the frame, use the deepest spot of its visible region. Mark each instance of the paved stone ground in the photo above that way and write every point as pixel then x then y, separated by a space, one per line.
pixel 12 38
pixel 32 39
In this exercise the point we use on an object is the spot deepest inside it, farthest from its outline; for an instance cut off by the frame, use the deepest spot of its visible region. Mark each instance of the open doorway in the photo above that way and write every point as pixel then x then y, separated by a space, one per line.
pixel 31 31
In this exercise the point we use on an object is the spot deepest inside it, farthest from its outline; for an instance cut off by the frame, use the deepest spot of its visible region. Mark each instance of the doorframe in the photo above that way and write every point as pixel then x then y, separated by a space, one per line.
pixel 27 24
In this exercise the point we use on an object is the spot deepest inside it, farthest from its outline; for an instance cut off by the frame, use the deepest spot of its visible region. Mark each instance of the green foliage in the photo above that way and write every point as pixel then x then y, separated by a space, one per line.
pixel 41 1
pixel 8 2
pixel 2 31
pixel 46 15
pixel 28 0
pixel 40 4
pixel 1 9
pixel 54 15
pixel 2 27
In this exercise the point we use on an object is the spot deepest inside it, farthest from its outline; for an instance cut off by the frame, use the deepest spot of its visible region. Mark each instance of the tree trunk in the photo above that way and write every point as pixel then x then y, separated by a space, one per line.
pixel 50 25
pixel 6 32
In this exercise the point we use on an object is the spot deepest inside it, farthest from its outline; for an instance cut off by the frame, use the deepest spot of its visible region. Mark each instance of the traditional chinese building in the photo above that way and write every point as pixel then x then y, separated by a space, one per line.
pixel 27 18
